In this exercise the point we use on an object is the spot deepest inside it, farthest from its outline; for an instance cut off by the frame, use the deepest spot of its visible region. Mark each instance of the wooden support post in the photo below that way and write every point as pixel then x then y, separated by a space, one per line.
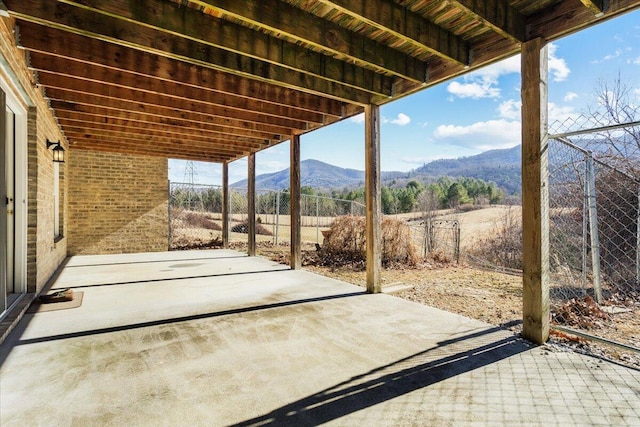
pixel 372 195
pixel 225 205
pixel 294 185
pixel 251 204
pixel 535 192
pixel 3 205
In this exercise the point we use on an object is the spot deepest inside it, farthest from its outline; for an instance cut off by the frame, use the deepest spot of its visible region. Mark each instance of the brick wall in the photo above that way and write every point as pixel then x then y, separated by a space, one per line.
pixel 44 254
pixel 117 203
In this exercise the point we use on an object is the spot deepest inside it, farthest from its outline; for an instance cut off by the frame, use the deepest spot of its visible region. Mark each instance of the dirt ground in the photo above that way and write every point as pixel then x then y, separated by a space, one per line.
pixel 489 296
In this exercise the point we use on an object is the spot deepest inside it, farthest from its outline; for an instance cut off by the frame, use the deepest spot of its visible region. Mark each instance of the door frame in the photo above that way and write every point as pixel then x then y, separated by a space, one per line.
pixel 14 102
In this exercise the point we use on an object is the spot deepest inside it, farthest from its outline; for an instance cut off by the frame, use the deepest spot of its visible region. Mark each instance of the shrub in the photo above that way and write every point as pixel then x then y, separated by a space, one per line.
pixel 200 220
pixel 243 227
pixel 345 242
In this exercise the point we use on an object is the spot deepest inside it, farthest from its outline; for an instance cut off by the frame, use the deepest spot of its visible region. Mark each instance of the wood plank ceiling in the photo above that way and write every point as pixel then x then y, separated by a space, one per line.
pixel 215 80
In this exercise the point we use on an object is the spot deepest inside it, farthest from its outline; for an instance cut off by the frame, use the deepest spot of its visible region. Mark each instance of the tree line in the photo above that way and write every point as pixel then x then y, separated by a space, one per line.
pixel 442 194
pixel 446 193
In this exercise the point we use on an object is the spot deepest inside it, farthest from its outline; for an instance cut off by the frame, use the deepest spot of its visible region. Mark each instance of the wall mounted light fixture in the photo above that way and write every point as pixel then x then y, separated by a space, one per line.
pixel 58 151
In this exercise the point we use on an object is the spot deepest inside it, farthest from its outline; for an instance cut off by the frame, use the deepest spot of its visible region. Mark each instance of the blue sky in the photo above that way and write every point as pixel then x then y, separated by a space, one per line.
pixel 464 116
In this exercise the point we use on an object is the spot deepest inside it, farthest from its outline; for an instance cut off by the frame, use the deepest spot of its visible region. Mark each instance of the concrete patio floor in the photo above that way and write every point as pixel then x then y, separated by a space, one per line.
pixel 212 338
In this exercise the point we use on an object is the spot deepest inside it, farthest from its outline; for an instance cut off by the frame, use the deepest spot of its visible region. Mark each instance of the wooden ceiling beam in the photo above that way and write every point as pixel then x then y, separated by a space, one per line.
pixel 497 14
pixel 569 16
pixel 54 71
pixel 275 16
pixel 411 28
pixel 109 108
pixel 175 127
pixel 53 42
pixel 227 142
pixel 159 143
pixel 595 6
pixel 95 25
pixel 116 147
pixel 173 18
pixel 71 90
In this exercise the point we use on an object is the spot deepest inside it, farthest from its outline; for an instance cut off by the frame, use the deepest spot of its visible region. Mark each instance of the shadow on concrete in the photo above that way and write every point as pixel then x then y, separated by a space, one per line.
pixel 158 261
pixel 448 359
pixel 176 320
pixel 170 279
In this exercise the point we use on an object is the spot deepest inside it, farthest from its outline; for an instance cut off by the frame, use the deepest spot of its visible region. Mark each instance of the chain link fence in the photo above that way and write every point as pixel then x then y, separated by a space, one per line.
pixel 436 238
pixel 195 212
pixel 594 188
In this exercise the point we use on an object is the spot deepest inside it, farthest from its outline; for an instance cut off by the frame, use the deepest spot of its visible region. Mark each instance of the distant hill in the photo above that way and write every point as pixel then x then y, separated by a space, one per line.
pixel 316 174
pixel 500 166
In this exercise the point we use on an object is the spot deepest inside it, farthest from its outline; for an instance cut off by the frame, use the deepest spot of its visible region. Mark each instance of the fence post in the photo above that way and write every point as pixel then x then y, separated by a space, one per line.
pixel 593 228
pixel 638 241
pixel 317 220
pixel 251 204
pixel 226 205
pixel 277 221
pixel 425 237
pixel 169 214
pixel 457 242
pixel 585 222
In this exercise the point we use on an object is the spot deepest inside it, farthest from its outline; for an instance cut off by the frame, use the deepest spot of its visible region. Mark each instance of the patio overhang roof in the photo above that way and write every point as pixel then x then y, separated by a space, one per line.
pixel 216 80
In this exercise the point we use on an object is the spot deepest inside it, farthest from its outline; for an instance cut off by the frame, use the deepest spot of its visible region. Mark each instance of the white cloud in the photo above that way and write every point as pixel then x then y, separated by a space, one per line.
pixel 475 90
pixel 483 83
pixel 401 120
pixel 510 109
pixel 608 57
pixel 557 66
pixel 635 61
pixel 482 136
pixel 359 118
pixel 494 71
pixel 570 96
pixel 558 114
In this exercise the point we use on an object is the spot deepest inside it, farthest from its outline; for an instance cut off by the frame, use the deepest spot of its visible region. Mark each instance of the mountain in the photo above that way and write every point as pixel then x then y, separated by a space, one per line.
pixel 313 173
pixel 500 166
pixel 316 174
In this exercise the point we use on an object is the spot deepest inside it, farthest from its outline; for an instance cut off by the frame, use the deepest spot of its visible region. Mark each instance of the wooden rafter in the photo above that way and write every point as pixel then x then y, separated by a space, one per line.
pixel 392 18
pixel 164 116
pixel 142 124
pixel 58 72
pixel 159 142
pixel 125 33
pixel 570 16
pixel 226 142
pixel 497 14
pixel 52 42
pixel 595 6
pixel 174 19
pixel 276 16
pixel 124 98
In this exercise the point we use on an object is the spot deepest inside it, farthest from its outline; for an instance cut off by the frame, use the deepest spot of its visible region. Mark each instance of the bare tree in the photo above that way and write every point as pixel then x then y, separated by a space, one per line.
pixel 428 203
pixel 618 111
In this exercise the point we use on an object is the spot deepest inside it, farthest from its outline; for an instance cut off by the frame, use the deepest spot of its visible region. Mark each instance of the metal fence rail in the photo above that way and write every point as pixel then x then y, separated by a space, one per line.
pixel 594 194
pixel 195 212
